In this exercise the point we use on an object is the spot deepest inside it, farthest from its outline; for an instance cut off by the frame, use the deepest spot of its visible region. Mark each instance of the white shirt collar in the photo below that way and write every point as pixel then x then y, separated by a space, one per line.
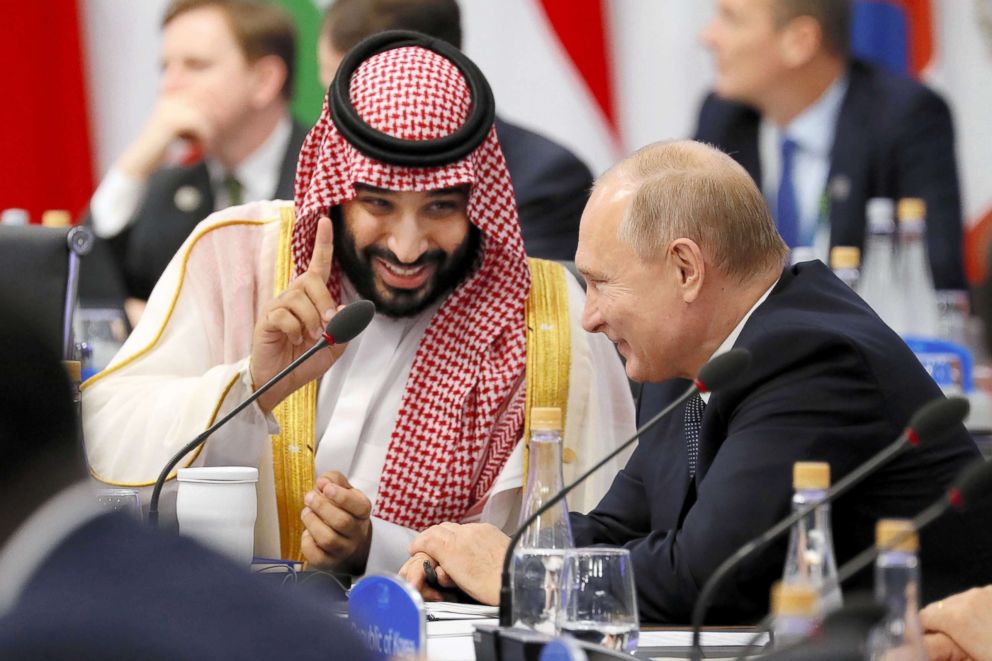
pixel 37 537
pixel 731 339
pixel 813 129
pixel 259 173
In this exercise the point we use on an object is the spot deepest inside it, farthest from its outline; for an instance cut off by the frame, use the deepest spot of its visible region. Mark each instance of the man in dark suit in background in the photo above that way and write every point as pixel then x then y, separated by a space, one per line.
pixel 822 133
pixel 683 262
pixel 227 81
pixel 77 582
pixel 550 184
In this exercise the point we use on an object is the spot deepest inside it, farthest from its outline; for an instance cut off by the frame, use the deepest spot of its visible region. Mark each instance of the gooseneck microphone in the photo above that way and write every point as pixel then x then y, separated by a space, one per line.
pixel 717 373
pixel 346 324
pixel 931 420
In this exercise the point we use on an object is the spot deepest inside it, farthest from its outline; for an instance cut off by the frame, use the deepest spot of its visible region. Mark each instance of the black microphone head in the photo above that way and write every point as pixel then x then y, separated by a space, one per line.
pixel 973 484
pixel 723 369
pixel 350 321
pixel 936 417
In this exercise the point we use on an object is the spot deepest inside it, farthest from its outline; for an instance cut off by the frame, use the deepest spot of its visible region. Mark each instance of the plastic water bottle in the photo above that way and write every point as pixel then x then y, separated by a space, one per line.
pixel 540 556
pixel 918 295
pixel 14 217
pixel 794 614
pixel 845 262
pixel 879 287
pixel 897 587
pixel 810 559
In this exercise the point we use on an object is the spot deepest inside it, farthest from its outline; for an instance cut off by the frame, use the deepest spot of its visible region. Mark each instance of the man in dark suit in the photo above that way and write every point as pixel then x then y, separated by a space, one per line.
pixel 550 184
pixel 683 262
pixel 822 133
pixel 227 81
pixel 76 582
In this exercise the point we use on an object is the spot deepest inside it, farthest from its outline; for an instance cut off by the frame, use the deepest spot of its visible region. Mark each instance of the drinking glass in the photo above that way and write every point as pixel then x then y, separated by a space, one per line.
pixel 120 500
pixel 599 604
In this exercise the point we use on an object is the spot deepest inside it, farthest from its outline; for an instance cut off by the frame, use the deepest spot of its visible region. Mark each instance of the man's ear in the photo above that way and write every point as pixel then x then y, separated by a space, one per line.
pixel 686 258
pixel 800 40
pixel 270 75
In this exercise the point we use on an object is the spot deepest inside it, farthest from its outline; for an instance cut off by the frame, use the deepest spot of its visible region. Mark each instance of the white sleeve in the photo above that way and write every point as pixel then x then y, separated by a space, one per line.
pixel 115 202
pixel 388 550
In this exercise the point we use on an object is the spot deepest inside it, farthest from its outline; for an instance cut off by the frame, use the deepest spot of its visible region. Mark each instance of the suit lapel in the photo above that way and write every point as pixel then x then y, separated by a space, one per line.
pixel 287 170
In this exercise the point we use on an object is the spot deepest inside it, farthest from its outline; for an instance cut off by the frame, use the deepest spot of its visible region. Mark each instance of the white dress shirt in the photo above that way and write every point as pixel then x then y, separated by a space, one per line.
pixel 813 132
pixel 118 196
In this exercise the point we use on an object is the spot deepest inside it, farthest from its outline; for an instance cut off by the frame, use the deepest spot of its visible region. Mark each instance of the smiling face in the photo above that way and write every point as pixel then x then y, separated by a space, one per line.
pixel 404 250
pixel 635 302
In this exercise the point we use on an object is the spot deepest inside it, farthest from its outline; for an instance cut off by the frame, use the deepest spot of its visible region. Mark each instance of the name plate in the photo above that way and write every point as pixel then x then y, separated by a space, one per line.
pixel 563 649
pixel 388 615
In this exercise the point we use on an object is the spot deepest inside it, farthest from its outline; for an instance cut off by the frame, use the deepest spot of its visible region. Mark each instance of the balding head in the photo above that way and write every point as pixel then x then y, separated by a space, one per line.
pixel 691 190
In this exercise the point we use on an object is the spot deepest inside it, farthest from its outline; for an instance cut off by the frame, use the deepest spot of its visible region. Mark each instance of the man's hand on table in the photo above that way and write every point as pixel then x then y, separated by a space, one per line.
pixel 469 556
pixel 960 626
pixel 338 525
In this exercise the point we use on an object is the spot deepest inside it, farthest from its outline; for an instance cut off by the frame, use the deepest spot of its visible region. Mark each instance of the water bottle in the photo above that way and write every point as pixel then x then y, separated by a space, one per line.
pixel 878 284
pixel 918 295
pixel 14 217
pixel 539 558
pixel 845 262
pixel 56 218
pixel 897 587
pixel 794 613
pixel 810 559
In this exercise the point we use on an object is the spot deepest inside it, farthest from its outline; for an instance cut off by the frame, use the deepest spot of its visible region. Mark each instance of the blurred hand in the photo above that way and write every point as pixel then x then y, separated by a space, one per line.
pixel 175 116
pixel 338 528
pixel 966 620
pixel 469 556
pixel 942 648
pixel 292 322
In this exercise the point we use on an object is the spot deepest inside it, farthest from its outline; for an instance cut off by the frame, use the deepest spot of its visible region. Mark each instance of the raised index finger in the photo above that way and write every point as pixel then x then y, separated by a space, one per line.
pixel 323 250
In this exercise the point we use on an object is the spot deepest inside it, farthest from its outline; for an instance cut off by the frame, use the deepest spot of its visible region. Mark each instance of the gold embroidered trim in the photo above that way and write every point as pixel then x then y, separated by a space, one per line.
pixel 292 449
pixel 549 342
pixel 158 335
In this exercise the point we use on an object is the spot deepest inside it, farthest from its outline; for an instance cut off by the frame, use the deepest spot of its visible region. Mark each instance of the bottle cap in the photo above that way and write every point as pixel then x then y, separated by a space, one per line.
pixel 881 214
pixel 912 208
pixel 845 257
pixel 545 418
pixel 74 369
pixel 811 475
pixel 793 599
pixel 887 531
pixel 14 217
pixel 56 218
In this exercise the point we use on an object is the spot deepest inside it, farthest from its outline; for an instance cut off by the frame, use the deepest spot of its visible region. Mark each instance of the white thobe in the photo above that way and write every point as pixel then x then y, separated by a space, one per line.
pixel 186 363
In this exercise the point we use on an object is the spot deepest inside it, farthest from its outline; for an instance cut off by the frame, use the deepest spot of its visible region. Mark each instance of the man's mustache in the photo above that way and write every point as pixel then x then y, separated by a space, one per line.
pixel 429 257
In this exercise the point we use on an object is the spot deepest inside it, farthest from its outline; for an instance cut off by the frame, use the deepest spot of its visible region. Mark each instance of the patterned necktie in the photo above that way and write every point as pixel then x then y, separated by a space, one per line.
pixel 234 190
pixel 693 421
pixel 787 208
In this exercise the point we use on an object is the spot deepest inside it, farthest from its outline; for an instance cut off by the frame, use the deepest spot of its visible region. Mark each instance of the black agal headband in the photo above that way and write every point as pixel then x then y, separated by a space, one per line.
pixel 389 149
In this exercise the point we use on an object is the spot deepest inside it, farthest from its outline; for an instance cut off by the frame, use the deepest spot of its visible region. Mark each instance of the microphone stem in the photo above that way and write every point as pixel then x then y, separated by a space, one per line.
pixel 505 598
pixel 756 544
pixel 196 442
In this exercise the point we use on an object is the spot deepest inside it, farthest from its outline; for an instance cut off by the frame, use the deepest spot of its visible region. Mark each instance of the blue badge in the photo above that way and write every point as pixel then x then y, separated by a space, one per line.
pixel 388 615
pixel 563 649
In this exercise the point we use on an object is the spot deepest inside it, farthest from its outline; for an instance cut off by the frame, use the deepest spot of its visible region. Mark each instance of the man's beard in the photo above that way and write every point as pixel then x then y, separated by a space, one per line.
pixel 451 269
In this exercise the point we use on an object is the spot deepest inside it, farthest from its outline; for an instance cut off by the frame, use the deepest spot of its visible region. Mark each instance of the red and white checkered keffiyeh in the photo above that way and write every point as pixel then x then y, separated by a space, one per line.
pixel 463 409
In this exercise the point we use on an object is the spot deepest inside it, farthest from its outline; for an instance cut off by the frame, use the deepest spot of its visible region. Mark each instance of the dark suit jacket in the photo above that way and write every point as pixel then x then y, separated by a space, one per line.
pixel 894 138
pixel 118 590
pixel 159 228
pixel 551 186
pixel 828 382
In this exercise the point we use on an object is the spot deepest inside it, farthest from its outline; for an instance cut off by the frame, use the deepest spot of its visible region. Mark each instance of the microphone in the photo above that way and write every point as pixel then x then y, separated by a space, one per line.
pixel 346 324
pixel 718 372
pixel 930 421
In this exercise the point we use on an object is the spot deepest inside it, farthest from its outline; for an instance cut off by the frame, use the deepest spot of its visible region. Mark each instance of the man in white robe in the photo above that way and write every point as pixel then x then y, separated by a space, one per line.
pixel 419 419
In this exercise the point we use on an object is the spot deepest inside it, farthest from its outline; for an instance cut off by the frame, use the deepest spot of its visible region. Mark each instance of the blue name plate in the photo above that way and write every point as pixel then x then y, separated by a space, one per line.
pixel 563 649
pixel 388 615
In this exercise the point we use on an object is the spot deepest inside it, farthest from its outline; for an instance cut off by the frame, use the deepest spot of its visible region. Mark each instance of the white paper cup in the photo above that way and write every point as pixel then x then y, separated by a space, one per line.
pixel 216 505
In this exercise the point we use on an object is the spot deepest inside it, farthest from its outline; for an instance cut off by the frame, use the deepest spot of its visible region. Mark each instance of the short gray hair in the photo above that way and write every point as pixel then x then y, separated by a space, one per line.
pixel 690 190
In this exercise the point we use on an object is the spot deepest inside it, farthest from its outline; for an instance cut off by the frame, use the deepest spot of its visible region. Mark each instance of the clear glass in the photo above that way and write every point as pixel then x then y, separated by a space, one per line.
pixel 810 559
pixel 897 582
pixel 878 277
pixel 103 332
pixel 538 559
pixel 952 316
pixel 599 602
pixel 120 500
pixel 916 282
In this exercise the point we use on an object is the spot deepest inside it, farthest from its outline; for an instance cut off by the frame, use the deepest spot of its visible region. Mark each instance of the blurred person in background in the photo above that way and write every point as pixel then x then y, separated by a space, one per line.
pixel 224 101
pixel 78 582
pixel 823 132
pixel 550 184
